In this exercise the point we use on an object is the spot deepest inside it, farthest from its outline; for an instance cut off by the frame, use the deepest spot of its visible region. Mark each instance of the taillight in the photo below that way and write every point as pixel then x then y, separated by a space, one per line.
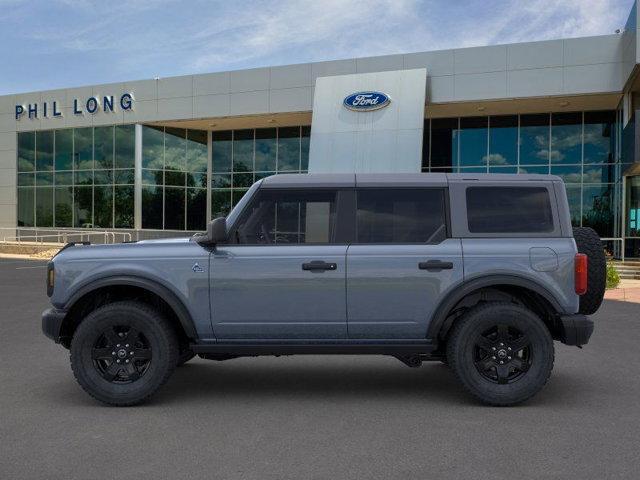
pixel 581 273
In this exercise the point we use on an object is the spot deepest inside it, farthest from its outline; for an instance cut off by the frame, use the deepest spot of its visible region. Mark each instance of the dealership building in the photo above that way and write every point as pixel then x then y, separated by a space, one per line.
pixel 156 157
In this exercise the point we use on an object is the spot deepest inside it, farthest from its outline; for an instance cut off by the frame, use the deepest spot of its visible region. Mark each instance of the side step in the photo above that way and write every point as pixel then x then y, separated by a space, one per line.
pixel 405 350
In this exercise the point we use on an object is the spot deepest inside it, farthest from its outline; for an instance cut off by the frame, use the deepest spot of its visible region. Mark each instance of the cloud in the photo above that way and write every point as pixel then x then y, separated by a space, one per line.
pixel 117 40
pixel 495 159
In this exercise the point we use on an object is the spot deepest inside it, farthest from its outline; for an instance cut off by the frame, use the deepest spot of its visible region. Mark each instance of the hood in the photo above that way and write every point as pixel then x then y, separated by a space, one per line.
pixel 120 250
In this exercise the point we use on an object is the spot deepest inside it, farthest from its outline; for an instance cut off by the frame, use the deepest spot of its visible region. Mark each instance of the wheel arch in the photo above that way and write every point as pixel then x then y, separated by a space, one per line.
pixel 97 293
pixel 511 285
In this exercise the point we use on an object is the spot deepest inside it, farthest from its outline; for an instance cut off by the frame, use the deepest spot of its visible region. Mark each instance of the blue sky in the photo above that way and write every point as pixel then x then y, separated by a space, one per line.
pixel 47 44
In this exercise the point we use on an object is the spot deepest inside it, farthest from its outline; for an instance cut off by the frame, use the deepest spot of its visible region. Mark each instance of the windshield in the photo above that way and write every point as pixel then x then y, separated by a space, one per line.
pixel 233 215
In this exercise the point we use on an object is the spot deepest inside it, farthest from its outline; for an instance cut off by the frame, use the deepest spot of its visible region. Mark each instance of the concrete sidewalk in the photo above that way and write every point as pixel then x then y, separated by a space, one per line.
pixel 627 291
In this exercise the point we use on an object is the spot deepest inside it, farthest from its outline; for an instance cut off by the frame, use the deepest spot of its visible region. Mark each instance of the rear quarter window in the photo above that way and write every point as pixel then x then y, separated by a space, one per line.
pixel 509 210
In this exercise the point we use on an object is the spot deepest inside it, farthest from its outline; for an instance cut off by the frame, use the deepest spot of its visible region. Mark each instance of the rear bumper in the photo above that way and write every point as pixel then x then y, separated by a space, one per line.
pixel 575 329
pixel 52 319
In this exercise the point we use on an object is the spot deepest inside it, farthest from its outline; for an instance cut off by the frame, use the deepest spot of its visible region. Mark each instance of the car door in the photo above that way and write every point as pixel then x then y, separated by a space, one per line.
pixel 401 263
pixel 282 276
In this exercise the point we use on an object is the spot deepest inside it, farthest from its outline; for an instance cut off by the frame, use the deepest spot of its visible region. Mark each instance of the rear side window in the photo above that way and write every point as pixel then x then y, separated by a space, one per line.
pixel 509 210
pixel 400 215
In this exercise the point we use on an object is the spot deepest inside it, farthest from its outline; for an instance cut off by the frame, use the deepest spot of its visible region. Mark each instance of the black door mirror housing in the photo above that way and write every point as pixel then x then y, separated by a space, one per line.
pixel 216 232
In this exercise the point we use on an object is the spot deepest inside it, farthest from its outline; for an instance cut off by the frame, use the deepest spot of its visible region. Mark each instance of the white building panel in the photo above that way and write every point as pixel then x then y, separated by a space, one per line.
pixel 344 140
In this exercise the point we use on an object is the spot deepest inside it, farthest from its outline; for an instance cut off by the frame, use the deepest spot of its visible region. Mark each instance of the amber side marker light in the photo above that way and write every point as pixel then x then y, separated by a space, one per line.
pixel 51 278
pixel 581 262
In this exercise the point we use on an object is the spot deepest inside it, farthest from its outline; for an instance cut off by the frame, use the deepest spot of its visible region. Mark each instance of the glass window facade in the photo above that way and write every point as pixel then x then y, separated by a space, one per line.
pixel 241 157
pixel 84 177
pixel 77 177
pixel 174 178
pixel 580 147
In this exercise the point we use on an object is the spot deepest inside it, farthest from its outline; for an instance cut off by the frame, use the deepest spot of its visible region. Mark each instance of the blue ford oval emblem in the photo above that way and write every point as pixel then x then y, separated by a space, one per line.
pixel 366 101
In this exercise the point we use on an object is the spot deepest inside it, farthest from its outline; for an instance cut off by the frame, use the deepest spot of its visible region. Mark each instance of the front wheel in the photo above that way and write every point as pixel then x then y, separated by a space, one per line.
pixel 123 352
pixel 502 353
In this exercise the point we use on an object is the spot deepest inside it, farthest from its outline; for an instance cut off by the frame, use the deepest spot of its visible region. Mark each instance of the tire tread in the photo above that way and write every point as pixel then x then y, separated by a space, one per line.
pixel 455 338
pixel 589 243
pixel 171 355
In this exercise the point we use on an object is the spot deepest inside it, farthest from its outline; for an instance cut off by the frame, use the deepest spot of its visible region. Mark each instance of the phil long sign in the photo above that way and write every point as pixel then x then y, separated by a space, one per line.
pixel 91 105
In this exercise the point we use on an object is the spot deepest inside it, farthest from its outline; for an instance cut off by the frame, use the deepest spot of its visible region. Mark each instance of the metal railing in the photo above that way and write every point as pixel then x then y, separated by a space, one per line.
pixel 622 246
pixel 39 236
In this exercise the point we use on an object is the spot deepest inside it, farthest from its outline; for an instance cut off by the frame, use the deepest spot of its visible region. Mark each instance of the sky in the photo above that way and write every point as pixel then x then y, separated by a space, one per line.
pixel 48 44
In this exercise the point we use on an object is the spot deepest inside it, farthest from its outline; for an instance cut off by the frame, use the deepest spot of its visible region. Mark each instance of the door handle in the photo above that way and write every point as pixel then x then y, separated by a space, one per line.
pixel 319 266
pixel 435 265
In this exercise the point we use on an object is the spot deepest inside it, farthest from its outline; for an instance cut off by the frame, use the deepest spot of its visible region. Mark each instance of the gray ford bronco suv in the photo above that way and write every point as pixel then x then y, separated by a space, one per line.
pixel 481 272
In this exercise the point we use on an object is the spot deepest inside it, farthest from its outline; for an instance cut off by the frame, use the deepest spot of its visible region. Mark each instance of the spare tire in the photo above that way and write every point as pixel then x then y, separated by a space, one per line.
pixel 589 243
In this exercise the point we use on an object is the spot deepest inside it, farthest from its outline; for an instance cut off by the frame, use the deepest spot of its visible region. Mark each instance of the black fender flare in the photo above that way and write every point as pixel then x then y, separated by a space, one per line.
pixel 152 286
pixel 439 325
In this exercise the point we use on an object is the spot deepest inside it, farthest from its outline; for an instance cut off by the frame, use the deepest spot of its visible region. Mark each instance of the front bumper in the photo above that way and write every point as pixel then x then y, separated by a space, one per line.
pixel 52 319
pixel 575 329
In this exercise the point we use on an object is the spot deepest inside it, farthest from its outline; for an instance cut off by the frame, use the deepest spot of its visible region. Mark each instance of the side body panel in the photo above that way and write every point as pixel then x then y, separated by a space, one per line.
pixel 389 296
pixel 548 262
pixel 169 263
pixel 262 292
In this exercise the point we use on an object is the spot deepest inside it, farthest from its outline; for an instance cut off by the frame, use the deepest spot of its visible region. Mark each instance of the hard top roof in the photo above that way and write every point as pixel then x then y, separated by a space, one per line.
pixel 343 180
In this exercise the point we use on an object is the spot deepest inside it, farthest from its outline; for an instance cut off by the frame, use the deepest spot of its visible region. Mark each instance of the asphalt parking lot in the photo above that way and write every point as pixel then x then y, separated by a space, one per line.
pixel 313 417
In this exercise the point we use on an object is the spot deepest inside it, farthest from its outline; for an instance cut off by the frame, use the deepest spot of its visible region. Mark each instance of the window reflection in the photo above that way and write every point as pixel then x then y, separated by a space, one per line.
pixel 242 157
pixel 599 139
pixel 597 210
pixel 174 175
pixel 566 138
pixel 44 150
pixel 74 181
pixel 534 139
pixel 444 146
pixel 503 141
pixel 63 159
pixel 103 147
pixel 289 149
pixel 26 207
pixel 266 147
pixel 243 150
pixel 578 147
pixel 473 141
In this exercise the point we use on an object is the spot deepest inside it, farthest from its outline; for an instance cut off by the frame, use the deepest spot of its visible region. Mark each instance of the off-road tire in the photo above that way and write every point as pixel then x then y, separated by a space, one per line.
pixel 589 243
pixel 153 327
pixel 462 345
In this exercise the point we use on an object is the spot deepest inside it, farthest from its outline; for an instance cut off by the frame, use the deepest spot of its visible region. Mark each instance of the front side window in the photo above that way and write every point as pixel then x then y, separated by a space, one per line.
pixel 509 210
pixel 287 217
pixel 400 216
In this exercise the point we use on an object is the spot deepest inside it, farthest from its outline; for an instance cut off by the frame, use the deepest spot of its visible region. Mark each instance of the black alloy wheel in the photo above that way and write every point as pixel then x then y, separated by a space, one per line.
pixel 501 352
pixel 121 354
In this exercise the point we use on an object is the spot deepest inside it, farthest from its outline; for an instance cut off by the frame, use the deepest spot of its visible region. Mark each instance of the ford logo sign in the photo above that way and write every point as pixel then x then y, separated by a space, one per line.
pixel 366 101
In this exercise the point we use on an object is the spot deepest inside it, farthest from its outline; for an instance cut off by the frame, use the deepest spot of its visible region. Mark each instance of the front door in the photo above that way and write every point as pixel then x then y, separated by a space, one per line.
pixel 401 264
pixel 282 276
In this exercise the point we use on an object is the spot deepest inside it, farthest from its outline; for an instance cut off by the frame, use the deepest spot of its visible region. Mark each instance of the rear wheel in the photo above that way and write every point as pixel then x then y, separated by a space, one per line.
pixel 501 352
pixel 123 352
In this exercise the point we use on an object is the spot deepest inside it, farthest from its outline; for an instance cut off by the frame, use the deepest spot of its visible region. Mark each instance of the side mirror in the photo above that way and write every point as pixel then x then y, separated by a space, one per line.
pixel 217 230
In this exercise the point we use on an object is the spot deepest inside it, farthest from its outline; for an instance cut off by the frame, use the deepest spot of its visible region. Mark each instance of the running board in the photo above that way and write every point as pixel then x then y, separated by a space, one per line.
pixel 315 348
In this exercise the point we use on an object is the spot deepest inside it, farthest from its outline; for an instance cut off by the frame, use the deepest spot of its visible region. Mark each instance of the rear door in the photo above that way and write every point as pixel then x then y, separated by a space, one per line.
pixel 401 263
